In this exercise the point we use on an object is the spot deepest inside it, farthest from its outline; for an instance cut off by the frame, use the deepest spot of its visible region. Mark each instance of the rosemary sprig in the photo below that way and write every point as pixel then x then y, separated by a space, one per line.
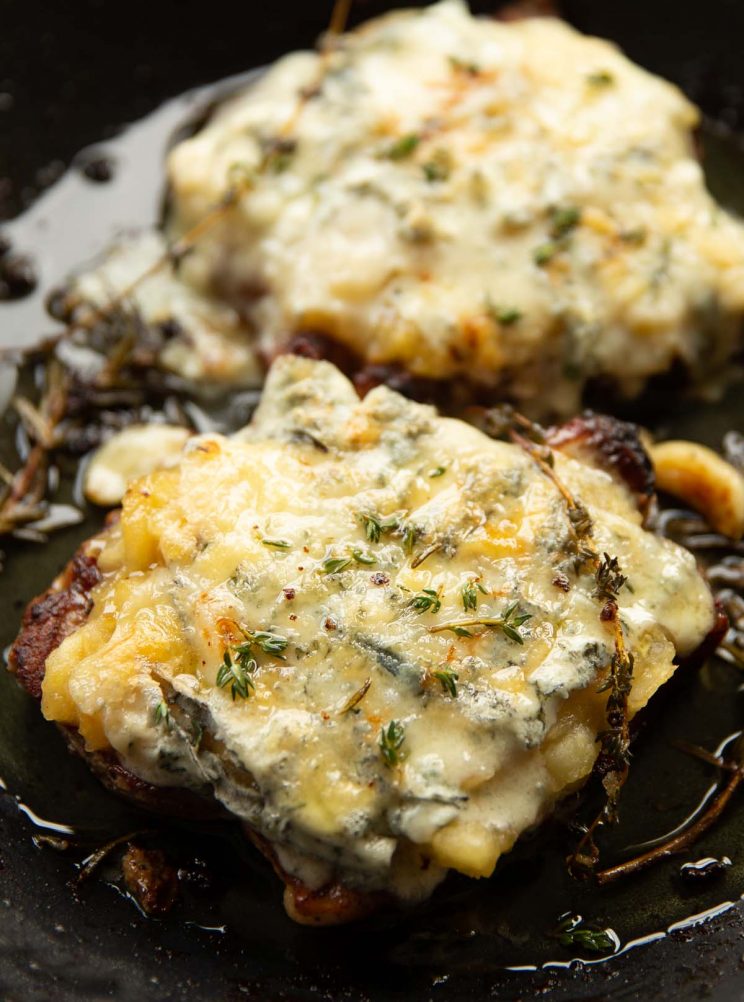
pixel 427 600
pixel 238 674
pixel 392 738
pixel 447 678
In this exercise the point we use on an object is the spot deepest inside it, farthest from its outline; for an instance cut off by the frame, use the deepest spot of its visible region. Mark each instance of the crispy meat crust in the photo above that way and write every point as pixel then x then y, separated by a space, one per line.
pixel 52 616
pixel 612 445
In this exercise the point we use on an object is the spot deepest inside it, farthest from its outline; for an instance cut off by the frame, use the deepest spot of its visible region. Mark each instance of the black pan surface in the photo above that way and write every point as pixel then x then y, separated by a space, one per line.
pixel 73 72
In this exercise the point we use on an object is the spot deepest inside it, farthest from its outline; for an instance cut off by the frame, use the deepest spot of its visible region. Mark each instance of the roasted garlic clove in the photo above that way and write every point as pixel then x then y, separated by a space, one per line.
pixel 705 481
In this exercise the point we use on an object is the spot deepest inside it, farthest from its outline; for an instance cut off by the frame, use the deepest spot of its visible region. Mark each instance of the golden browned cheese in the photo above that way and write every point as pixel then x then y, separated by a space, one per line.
pixel 346 620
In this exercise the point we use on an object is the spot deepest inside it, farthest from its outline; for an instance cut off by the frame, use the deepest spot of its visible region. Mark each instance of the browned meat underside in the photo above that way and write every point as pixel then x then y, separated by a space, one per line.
pixel 56 613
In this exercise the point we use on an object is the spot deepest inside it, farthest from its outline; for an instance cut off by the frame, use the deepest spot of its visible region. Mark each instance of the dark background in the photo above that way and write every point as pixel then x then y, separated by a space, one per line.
pixel 72 71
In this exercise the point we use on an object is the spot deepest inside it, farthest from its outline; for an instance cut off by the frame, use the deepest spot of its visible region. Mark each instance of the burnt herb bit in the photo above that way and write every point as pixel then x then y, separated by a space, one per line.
pixel 333 565
pixel 402 148
pixel 163 715
pixel 391 743
pixel 375 527
pixel 610 578
pixel 427 600
pixel 363 558
pixel 572 932
pixel 277 544
pixel 447 678
pixel 238 674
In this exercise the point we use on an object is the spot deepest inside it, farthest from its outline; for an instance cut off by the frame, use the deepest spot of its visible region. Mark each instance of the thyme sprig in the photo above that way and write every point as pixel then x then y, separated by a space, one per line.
pixel 375 527
pixel 509 624
pixel 163 715
pixel 333 565
pixel 427 600
pixel 392 739
pixel 609 578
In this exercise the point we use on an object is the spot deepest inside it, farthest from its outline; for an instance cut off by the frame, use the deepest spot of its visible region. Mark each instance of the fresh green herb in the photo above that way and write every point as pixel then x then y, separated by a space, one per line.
pixel 332 565
pixel 635 235
pixel 238 673
pixel 563 220
pixel 278 544
pixel 438 471
pixel 602 78
pixel 447 678
pixel 163 715
pixel 403 147
pixel 508 623
pixel 374 527
pixel 503 315
pixel 391 742
pixel 435 171
pixel 363 558
pixel 427 600
pixel 270 643
pixel 469 596
pixel 609 577
pixel 464 66
pixel 545 253
pixel 409 537
pixel 572 932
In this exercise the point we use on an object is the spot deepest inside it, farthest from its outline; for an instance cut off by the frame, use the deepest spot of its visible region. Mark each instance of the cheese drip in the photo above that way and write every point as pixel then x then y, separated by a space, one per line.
pixel 328 523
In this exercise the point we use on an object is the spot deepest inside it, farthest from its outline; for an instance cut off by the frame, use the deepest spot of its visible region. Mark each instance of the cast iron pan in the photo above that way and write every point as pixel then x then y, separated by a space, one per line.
pixel 69 75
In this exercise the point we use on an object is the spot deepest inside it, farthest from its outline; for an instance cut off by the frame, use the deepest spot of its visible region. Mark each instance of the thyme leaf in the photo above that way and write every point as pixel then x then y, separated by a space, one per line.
pixel 469 596
pixel 426 600
pixel 163 715
pixel 278 544
pixel 544 253
pixel 332 565
pixel 238 674
pixel 563 220
pixel 391 743
pixel 601 78
pixel 403 147
pixel 447 678
pixel 438 471
pixel 363 558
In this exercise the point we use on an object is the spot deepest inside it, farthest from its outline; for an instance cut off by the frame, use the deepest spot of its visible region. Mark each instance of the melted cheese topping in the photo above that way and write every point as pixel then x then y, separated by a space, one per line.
pixel 514 204
pixel 265 532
